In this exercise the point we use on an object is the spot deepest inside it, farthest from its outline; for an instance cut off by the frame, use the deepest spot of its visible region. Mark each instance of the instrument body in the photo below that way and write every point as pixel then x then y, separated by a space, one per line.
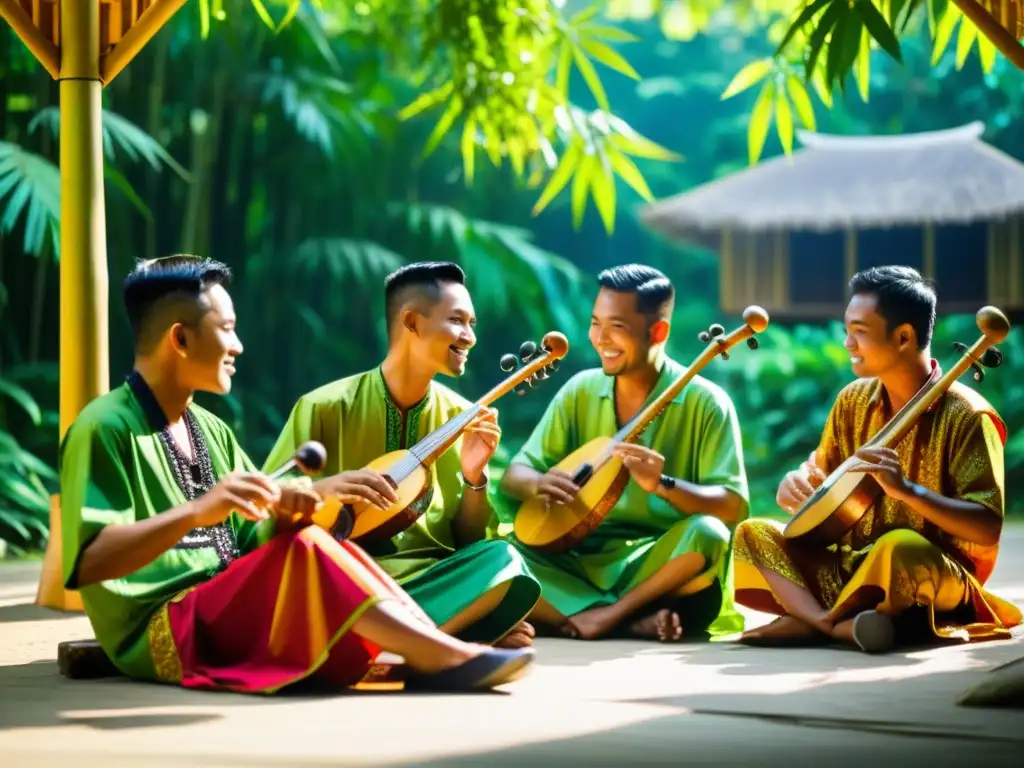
pixel 370 523
pixel 557 527
pixel 408 469
pixel 843 498
pixel 602 476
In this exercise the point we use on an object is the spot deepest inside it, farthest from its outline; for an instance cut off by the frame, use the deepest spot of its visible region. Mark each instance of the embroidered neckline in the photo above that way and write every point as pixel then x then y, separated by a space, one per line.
pixel 193 476
pixel 396 440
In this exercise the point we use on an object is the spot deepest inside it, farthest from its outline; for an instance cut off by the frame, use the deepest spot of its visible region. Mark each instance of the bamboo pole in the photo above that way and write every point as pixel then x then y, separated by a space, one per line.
pixel 84 343
pixel 23 26
pixel 141 32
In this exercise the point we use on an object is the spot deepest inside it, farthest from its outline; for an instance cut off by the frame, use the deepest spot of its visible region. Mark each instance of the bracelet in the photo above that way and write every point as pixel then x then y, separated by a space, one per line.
pixel 668 482
pixel 472 487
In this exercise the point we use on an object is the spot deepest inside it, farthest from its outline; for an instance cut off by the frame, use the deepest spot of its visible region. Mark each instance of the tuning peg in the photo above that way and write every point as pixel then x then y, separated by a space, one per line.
pixel 979 376
pixel 704 336
pixel 992 358
pixel 508 362
pixel 716 330
pixel 552 366
pixel 541 374
pixel 527 350
pixel 752 343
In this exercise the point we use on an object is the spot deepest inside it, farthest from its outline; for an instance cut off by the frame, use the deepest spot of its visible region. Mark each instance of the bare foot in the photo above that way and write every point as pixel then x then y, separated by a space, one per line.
pixel 785 631
pixel 521 636
pixel 663 625
pixel 591 623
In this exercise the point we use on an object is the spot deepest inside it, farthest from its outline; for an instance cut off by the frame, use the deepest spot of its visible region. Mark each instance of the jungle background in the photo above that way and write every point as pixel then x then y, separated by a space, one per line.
pixel 284 153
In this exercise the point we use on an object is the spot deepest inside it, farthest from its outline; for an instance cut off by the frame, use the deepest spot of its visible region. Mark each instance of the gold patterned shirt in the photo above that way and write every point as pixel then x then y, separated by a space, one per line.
pixel 954 449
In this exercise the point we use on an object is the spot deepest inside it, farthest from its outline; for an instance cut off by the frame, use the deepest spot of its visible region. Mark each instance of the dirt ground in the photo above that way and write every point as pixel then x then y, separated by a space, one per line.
pixel 600 703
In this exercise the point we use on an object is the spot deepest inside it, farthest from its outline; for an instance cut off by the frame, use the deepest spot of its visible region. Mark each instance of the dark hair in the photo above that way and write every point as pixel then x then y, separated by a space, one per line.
pixel 902 295
pixel 655 295
pixel 177 281
pixel 422 280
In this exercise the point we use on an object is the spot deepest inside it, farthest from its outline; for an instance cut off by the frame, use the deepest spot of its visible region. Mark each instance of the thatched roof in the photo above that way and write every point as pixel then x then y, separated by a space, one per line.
pixel 835 182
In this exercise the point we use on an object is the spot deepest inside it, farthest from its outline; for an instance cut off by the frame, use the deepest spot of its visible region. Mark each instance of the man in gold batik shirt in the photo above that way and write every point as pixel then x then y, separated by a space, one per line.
pixel 928 544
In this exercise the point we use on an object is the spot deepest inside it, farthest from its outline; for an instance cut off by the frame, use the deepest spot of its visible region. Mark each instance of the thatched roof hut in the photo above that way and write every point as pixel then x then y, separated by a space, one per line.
pixel 791 231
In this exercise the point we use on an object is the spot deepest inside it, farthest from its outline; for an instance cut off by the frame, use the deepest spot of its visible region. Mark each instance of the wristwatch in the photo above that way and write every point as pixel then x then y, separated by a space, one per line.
pixel 668 482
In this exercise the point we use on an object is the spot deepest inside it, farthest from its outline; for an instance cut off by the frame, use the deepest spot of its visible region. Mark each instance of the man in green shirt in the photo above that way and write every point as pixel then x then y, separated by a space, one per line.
pixel 188 570
pixel 658 566
pixel 477 589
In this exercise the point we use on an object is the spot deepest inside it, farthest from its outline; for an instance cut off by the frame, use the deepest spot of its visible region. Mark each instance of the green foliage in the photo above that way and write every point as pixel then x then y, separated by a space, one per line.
pixel 24 499
pixel 828 40
pixel 500 70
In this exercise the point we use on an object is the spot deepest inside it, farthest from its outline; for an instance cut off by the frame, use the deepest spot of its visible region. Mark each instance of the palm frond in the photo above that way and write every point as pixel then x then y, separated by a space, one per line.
pixel 364 261
pixel 119 133
pixel 30 188
pixel 322 108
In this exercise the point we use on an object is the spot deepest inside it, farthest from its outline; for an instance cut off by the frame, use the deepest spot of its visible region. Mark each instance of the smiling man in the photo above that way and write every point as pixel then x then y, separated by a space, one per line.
pixel 473 588
pixel 924 549
pixel 658 565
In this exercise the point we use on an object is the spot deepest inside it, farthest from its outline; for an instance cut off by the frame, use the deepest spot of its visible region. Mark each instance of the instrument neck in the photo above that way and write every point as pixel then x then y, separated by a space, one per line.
pixel 426 451
pixel 935 387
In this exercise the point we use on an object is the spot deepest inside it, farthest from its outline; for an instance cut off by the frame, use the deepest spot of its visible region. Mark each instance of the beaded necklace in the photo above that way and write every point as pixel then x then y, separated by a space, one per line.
pixel 193 475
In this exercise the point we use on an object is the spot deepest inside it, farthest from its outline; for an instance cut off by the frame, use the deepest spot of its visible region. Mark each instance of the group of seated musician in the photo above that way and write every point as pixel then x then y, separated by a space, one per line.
pixel 198 569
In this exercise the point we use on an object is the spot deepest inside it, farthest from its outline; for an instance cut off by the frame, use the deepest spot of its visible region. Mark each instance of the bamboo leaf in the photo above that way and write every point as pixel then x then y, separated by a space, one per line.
pixel 825 24
pixel 987 53
pixel 752 73
pixel 602 187
pixel 944 33
pixel 204 19
pixel 964 41
pixel 22 398
pixel 609 57
pixel 119 180
pixel 585 15
pixel 443 125
pixel 801 20
pixel 293 9
pixel 784 121
pixel 801 102
pixel 580 184
pixel 863 71
pixel 834 57
pixel 818 81
pixel 469 148
pixel 638 146
pixel 610 33
pixel 591 78
pixel 852 37
pixel 425 101
pixel 564 65
pixel 263 13
pixel 563 172
pixel 627 169
pixel 879 28
pixel 760 118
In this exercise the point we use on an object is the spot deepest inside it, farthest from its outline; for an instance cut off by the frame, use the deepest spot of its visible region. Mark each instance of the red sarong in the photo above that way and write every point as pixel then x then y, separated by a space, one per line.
pixel 278 615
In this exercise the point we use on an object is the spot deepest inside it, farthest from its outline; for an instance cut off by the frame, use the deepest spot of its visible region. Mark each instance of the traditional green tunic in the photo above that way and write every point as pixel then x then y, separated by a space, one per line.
pixel 114 470
pixel 698 434
pixel 357 421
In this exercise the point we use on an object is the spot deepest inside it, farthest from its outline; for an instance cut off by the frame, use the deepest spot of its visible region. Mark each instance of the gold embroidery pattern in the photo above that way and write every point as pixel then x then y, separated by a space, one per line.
pixel 162 647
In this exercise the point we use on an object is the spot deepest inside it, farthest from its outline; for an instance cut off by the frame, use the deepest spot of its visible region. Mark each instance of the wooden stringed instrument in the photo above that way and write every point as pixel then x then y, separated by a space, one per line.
pixel 408 469
pixel 602 476
pixel 839 503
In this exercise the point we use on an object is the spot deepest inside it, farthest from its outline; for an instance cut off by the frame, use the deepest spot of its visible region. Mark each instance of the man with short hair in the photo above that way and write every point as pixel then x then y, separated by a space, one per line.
pixel 930 541
pixel 474 588
pixel 658 565
pixel 189 566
